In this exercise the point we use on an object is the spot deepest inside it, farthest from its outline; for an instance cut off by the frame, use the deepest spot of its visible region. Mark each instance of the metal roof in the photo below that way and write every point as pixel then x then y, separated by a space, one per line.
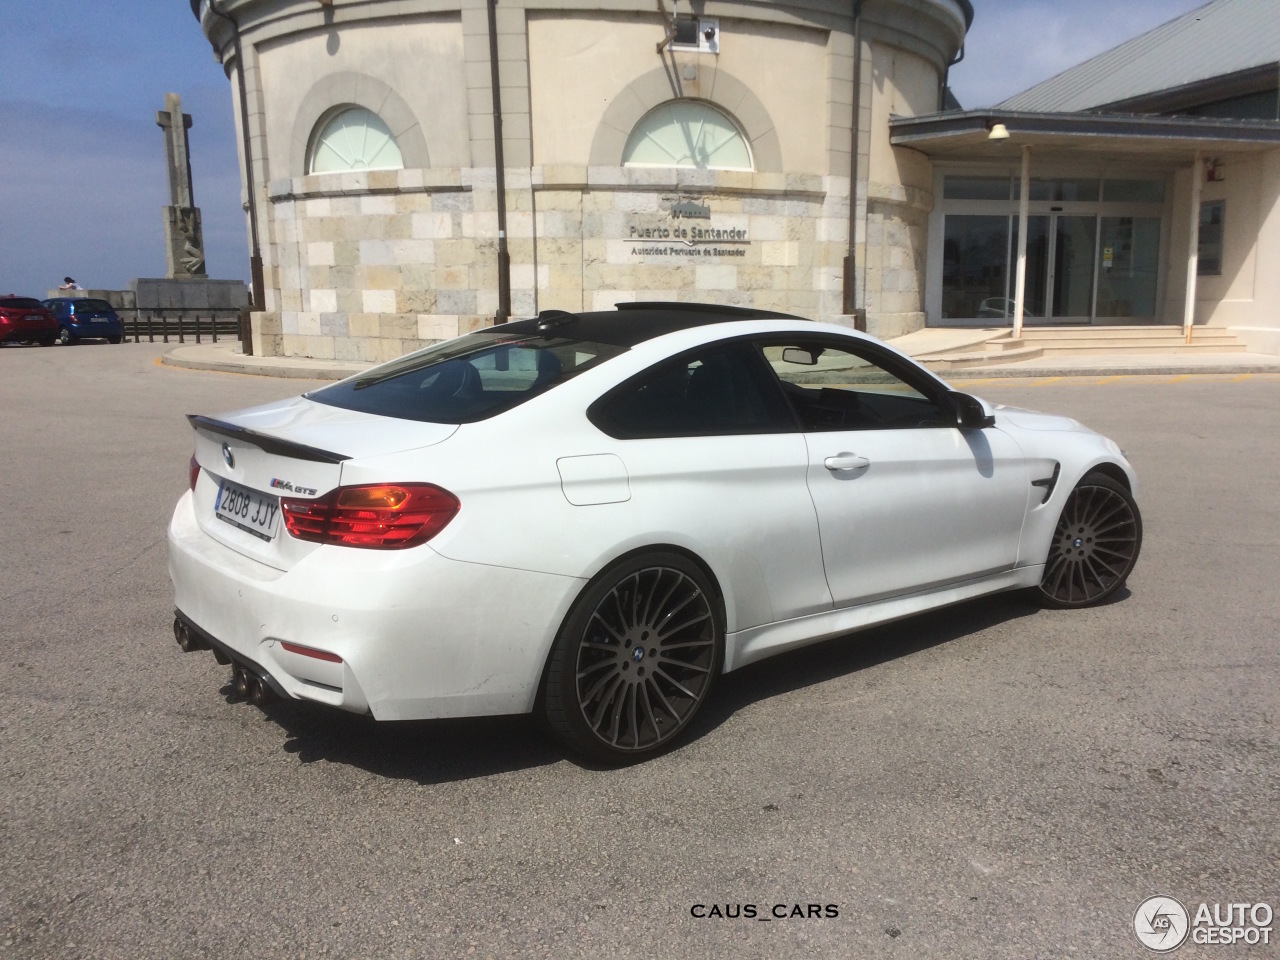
pixel 1220 38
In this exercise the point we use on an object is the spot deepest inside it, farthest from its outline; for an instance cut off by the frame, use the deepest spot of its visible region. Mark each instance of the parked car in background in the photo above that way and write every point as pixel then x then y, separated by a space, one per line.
pixel 26 320
pixel 592 516
pixel 81 318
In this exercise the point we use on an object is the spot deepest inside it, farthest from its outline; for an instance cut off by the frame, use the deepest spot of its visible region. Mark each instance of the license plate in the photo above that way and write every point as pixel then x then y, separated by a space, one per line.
pixel 101 320
pixel 250 511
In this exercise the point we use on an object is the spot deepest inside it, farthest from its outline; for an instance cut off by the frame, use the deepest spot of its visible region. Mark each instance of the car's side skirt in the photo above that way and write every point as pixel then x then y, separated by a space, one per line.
pixel 756 643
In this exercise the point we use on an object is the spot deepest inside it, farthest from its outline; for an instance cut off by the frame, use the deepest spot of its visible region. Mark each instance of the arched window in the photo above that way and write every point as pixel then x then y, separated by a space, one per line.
pixel 354 139
pixel 687 133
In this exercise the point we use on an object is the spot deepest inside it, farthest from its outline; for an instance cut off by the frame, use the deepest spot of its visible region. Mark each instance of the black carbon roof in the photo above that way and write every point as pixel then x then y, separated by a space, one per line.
pixel 633 323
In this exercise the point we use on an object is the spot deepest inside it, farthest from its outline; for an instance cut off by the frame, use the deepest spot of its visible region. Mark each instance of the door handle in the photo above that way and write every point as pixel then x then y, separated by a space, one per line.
pixel 843 462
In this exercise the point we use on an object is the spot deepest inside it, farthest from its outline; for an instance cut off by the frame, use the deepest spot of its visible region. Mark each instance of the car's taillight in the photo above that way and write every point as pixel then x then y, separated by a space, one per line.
pixel 194 469
pixel 382 516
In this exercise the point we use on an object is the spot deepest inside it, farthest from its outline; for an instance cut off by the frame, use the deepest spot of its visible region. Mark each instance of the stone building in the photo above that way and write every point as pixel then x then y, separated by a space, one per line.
pixel 650 152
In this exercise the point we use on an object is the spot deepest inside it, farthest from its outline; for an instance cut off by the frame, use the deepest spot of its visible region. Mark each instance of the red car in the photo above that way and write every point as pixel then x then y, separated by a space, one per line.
pixel 25 319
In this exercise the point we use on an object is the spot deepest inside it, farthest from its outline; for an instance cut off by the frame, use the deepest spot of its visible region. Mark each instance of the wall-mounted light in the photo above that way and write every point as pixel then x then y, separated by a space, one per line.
pixel 997 131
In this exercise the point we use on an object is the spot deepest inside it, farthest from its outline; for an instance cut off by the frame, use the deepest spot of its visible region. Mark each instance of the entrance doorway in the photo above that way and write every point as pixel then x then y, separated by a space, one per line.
pixel 1093 251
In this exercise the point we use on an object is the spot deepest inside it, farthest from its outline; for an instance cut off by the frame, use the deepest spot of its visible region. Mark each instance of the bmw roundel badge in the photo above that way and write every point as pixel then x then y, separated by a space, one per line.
pixel 227 456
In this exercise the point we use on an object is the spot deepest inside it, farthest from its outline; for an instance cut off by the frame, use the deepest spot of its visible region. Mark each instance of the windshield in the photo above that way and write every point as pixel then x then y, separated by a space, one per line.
pixel 19 303
pixel 468 379
pixel 91 306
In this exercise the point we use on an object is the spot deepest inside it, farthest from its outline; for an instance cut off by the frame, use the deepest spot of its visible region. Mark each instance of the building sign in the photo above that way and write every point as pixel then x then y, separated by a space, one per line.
pixel 675 238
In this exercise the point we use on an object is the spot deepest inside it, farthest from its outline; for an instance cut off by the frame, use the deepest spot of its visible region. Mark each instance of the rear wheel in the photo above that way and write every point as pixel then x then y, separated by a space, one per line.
pixel 47 341
pixel 635 659
pixel 1095 545
pixel 113 339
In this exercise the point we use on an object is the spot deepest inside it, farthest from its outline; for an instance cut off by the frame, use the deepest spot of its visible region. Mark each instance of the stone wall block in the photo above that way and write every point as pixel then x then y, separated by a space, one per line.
pixel 376 252
pixel 437 326
pixel 456 301
pixel 362 325
pixel 333 324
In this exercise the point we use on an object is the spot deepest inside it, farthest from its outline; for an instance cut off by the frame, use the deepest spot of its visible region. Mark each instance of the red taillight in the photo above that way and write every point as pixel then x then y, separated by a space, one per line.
pixel 194 469
pixel 382 516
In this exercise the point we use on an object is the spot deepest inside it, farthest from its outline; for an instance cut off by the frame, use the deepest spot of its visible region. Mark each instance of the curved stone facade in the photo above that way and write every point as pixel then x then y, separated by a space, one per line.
pixel 370 263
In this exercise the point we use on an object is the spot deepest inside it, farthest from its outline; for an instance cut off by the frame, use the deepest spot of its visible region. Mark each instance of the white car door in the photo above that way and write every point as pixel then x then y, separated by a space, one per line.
pixel 906 500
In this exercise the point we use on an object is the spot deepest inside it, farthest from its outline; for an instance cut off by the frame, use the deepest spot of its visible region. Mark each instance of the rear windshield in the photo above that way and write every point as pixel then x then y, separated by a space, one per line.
pixel 91 306
pixel 468 379
pixel 19 303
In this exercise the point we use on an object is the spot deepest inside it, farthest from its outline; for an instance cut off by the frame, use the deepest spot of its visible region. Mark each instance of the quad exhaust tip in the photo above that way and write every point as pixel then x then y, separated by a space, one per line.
pixel 187 638
pixel 246 683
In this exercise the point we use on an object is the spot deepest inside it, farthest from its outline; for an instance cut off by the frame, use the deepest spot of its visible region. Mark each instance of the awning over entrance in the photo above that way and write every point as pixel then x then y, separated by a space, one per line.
pixel 966 135
pixel 995 136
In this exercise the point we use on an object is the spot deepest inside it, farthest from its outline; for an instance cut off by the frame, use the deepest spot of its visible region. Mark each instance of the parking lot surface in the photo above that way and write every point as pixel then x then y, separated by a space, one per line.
pixel 993 780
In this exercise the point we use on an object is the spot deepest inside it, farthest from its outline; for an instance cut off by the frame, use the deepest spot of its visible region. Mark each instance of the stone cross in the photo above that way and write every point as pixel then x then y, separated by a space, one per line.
pixel 183 236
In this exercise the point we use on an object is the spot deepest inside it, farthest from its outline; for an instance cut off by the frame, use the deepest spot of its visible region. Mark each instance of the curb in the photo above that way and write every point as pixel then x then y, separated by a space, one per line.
pixel 1165 370
pixel 262 368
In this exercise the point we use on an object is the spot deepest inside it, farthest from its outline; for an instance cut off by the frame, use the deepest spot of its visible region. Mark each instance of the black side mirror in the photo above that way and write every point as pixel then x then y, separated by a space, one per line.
pixel 971 413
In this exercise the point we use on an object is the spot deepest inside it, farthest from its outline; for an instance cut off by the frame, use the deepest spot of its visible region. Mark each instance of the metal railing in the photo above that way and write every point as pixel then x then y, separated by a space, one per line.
pixel 181 325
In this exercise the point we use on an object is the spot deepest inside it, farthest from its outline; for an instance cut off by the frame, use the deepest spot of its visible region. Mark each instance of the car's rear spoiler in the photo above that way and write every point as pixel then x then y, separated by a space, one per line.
pixel 267 443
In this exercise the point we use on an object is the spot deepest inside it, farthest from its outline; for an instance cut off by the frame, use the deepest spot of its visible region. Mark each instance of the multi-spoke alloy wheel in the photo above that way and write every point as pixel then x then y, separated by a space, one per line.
pixel 636 659
pixel 1094 546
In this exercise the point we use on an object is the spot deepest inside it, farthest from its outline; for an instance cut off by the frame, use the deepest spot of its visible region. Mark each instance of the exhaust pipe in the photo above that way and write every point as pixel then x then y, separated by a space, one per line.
pixel 260 693
pixel 187 638
pixel 241 681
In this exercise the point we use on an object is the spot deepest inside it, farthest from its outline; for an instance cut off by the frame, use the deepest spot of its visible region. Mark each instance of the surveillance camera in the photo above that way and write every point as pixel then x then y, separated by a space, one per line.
pixel 709 34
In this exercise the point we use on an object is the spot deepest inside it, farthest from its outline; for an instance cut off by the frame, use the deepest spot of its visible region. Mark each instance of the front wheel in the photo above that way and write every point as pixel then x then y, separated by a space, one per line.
pixel 1095 545
pixel 64 336
pixel 635 659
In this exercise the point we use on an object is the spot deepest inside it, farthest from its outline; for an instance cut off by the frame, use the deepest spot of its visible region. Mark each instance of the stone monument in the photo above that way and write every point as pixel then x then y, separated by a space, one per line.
pixel 183 238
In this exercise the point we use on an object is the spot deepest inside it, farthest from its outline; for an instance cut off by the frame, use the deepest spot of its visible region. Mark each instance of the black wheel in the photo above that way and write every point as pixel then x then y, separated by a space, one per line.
pixel 635 659
pixel 113 339
pixel 1094 546
pixel 47 341
pixel 64 336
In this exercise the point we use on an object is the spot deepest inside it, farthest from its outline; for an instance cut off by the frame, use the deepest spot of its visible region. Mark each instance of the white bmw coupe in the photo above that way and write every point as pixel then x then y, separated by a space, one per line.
pixel 591 516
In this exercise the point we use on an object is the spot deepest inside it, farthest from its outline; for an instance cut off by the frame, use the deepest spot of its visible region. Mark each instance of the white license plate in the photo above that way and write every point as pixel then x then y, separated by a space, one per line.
pixel 253 512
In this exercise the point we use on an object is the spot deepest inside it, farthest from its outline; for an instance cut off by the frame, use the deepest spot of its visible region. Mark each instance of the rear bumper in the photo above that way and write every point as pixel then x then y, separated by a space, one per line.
pixel 14 332
pixel 89 329
pixel 418 635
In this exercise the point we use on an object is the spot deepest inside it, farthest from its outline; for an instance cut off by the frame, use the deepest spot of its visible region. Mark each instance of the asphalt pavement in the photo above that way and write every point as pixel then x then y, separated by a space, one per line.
pixel 989 781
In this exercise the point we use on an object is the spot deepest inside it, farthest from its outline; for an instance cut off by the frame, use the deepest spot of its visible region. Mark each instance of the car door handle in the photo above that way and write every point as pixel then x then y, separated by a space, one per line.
pixel 842 462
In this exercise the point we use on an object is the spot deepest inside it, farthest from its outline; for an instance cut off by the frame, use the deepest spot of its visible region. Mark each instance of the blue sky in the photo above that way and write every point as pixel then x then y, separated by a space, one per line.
pixel 82 177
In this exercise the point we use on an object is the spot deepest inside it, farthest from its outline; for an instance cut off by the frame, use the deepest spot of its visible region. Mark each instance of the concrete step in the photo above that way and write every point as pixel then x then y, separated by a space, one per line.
pixel 1086 349
pixel 981 358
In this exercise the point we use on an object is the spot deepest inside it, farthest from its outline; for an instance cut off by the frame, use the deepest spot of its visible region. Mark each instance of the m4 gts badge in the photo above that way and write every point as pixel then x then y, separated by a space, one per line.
pixel 286 485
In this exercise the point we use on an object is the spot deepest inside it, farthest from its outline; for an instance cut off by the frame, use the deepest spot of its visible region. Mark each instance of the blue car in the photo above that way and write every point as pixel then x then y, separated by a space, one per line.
pixel 84 317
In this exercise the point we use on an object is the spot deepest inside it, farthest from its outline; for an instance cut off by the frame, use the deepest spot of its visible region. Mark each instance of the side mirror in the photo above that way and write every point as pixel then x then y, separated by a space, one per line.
pixel 799 355
pixel 971 413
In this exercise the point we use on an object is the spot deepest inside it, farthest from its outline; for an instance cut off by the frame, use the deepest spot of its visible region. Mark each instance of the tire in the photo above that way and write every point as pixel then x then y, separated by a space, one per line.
pixel 47 341
pixel 64 337
pixel 635 659
pixel 1095 545
pixel 113 339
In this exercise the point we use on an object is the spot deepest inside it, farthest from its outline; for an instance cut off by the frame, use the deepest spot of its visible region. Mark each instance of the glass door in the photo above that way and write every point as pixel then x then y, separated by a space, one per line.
pixel 1075 241
pixel 1060 258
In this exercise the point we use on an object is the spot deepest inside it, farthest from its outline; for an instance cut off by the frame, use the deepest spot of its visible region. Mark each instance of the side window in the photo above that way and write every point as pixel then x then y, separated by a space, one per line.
pixel 719 391
pixel 832 388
